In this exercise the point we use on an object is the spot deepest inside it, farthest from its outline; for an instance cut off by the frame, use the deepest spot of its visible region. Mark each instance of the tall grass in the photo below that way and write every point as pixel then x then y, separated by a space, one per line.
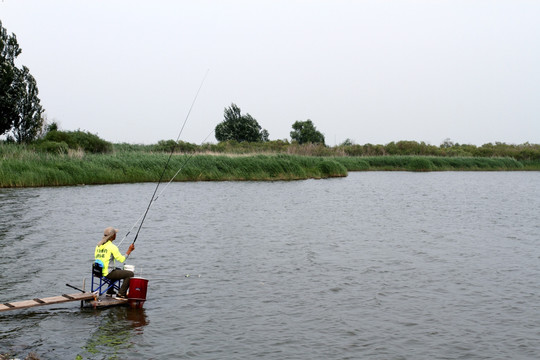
pixel 433 163
pixel 28 168
pixel 22 166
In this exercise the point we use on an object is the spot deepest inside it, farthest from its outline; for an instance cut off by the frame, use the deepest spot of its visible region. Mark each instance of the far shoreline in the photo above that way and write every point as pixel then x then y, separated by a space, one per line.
pixel 33 169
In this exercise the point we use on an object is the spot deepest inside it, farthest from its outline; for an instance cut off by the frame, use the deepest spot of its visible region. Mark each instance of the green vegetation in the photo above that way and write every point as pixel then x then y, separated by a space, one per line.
pixel 236 126
pixel 58 141
pixel 37 154
pixel 75 140
pixel 76 157
pixel 523 152
pixel 434 163
pixel 26 167
pixel 447 149
pixel 33 165
pixel 20 109
pixel 304 132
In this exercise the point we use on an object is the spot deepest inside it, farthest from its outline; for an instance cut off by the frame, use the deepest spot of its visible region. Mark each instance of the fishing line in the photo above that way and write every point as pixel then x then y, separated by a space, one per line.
pixel 163 190
pixel 180 169
pixel 168 160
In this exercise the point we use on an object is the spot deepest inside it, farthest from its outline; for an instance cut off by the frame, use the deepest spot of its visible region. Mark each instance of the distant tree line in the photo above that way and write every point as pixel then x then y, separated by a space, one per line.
pixel 401 148
pixel 242 134
pixel 62 142
pixel 524 151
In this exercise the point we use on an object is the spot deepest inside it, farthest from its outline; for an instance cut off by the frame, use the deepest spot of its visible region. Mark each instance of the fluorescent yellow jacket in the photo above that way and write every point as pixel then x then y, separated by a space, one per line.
pixel 104 253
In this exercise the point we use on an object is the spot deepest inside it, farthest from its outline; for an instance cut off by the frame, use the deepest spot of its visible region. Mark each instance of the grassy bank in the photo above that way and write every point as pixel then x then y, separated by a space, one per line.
pixel 21 167
pixel 37 169
pixel 434 163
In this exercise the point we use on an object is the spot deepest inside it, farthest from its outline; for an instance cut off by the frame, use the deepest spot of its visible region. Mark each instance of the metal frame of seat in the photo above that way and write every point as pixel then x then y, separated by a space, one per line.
pixel 104 283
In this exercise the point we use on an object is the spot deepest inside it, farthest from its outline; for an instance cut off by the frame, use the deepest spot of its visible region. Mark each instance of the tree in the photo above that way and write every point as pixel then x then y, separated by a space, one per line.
pixel 20 108
pixel 29 122
pixel 52 127
pixel 305 132
pixel 347 142
pixel 9 50
pixel 236 126
pixel 447 143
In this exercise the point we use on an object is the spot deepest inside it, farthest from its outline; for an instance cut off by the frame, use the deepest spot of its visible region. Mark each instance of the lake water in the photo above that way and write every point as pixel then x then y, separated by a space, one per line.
pixel 378 265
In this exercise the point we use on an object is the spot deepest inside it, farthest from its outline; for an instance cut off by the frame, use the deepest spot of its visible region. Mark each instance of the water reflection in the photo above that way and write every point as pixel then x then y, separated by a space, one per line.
pixel 138 319
pixel 116 331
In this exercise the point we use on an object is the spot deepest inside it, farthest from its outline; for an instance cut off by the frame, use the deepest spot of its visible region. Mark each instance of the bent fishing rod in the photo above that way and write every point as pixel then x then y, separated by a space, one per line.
pixel 153 198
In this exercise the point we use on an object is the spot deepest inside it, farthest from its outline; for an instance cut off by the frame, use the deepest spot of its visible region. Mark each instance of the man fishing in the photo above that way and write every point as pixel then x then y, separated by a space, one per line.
pixel 105 251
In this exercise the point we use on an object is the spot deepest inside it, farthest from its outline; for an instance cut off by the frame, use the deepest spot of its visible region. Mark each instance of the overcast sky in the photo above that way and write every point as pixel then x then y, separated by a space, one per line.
pixel 373 71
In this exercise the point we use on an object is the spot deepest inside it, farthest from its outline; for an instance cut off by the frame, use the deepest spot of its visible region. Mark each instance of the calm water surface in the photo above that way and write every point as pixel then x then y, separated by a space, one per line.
pixel 378 265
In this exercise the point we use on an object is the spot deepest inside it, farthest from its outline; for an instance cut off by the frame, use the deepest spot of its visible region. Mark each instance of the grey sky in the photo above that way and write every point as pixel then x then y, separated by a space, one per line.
pixel 373 71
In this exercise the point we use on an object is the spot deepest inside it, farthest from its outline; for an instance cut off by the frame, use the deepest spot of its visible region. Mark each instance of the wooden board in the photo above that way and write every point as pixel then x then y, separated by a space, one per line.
pixel 105 301
pixel 45 301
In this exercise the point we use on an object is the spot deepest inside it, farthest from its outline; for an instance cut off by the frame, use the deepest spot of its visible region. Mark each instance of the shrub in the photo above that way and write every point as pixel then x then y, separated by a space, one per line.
pixel 123 147
pixel 170 145
pixel 80 139
pixel 52 147
pixel 165 145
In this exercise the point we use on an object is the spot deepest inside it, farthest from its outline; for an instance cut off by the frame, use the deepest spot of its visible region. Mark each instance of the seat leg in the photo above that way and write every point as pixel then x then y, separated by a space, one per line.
pixel 105 285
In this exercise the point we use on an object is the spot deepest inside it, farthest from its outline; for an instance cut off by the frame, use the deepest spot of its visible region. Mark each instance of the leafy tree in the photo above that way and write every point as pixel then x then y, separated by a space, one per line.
pixel 347 142
pixel 447 143
pixel 20 108
pixel 238 127
pixel 305 132
pixel 52 127
pixel 9 50
pixel 29 122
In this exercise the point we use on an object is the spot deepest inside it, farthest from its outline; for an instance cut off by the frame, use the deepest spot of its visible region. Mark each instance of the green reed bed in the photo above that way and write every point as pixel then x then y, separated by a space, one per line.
pixel 433 163
pixel 533 165
pixel 35 169
pixel 258 167
pixel 24 167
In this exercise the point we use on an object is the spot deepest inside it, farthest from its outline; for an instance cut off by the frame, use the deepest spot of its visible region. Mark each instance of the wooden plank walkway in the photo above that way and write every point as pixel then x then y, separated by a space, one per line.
pixel 45 301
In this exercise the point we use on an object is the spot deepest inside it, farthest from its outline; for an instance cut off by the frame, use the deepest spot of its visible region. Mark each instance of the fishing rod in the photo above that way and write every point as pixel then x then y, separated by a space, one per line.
pixel 167 163
pixel 179 169
pixel 163 190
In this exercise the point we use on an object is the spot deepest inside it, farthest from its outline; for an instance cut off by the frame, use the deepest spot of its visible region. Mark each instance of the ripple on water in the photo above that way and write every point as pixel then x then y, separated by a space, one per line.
pixel 376 265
